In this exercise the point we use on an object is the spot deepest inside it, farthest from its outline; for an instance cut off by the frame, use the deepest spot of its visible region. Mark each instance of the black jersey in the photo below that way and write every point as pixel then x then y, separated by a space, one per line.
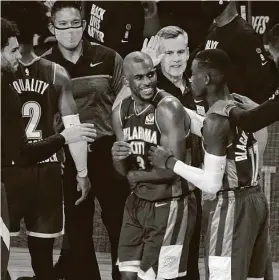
pixel 34 84
pixel 242 165
pixel 142 131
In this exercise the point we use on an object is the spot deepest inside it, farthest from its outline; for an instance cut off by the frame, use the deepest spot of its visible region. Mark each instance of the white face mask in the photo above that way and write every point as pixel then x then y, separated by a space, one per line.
pixel 69 38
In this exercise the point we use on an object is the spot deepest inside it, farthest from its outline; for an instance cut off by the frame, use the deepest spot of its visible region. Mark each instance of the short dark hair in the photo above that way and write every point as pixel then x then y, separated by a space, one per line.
pixel 273 36
pixel 30 17
pixel 59 5
pixel 214 59
pixel 8 30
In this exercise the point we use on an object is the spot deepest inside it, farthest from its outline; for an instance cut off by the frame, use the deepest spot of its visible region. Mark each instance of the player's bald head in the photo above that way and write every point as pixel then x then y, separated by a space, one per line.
pixel 134 58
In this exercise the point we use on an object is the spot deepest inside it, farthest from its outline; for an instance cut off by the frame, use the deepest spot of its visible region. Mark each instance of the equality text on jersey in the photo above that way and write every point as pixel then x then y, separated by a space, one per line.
pixel 30 85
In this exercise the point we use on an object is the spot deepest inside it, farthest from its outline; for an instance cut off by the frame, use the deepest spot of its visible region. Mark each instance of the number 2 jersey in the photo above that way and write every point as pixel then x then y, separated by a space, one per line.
pixel 34 83
pixel 142 131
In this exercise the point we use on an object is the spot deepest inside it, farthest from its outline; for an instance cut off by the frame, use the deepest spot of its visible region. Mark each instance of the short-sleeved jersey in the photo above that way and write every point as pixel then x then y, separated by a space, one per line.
pixel 142 131
pixel 34 83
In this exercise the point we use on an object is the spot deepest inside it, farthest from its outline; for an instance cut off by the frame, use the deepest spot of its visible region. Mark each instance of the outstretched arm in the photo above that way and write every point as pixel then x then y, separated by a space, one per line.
pixel 208 179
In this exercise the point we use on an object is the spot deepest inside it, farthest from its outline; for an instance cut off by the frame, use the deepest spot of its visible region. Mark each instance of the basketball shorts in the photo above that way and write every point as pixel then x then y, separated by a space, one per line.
pixel 35 194
pixel 155 236
pixel 237 246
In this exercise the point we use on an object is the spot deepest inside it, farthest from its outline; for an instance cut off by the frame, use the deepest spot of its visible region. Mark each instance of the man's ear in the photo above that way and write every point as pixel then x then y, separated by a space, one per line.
pixel 126 82
pixel 83 25
pixel 207 79
pixel 51 28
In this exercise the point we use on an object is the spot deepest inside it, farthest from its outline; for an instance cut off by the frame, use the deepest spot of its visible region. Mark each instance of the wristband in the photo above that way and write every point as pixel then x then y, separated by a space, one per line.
pixel 166 162
pixel 82 173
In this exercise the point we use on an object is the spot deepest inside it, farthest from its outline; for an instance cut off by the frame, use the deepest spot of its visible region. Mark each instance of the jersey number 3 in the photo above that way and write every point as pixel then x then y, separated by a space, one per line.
pixel 32 110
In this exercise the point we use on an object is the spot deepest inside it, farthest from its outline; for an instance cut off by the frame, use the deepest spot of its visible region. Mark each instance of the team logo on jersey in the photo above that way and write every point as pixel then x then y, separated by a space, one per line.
pixel 27 72
pixel 149 120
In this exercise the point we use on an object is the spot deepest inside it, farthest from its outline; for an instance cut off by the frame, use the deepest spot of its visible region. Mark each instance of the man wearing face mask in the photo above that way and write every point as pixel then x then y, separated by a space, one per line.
pixel 252 73
pixel 96 74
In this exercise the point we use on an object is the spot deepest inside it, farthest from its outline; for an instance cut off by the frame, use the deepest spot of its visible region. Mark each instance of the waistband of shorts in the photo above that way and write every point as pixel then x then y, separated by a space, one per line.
pixel 163 199
pixel 241 191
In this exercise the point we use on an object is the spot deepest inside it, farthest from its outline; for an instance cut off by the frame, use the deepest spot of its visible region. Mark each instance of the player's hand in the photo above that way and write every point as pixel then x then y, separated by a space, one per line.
pixel 244 102
pixel 158 156
pixel 120 150
pixel 221 107
pixel 152 49
pixel 84 186
pixel 81 132
pixel 131 179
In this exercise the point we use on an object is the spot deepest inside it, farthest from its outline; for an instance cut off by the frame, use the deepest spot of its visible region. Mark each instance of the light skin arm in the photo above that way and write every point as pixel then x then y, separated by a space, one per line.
pixel 171 121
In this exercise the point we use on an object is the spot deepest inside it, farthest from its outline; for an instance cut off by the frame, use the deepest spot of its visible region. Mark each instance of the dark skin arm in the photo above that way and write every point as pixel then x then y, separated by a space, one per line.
pixel 171 121
pixel 63 85
pixel 257 118
pixel 120 149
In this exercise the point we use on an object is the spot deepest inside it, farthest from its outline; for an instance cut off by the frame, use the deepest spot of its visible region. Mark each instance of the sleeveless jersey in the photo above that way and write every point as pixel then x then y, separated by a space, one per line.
pixel 34 83
pixel 242 164
pixel 141 131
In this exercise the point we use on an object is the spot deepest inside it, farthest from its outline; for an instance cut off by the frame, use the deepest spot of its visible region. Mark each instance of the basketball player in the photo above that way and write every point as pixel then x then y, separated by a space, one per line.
pixel 159 215
pixel 239 214
pixel 35 193
pixel 13 141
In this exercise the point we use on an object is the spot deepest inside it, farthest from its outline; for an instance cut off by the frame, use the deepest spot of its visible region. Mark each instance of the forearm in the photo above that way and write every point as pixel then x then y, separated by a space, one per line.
pixel 78 150
pixel 257 118
pixel 121 167
pixel 208 179
pixel 156 175
pixel 32 153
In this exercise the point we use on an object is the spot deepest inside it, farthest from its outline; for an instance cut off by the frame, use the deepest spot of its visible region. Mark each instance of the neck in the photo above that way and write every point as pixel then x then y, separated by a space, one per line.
pixel 27 53
pixel 71 55
pixel 215 95
pixel 176 80
pixel 227 16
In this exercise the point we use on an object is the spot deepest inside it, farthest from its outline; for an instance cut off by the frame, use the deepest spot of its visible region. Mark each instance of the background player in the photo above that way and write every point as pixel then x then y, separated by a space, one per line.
pixel 260 116
pixel 239 213
pixel 159 199
pixel 13 142
pixel 44 89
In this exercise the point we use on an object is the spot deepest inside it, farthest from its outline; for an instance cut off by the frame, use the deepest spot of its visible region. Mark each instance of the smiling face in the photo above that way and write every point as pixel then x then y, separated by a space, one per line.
pixel 176 56
pixel 10 56
pixel 142 79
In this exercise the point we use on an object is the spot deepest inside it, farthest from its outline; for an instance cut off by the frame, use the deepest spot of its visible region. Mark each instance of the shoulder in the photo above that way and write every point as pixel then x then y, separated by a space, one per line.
pixel 169 107
pixel 102 52
pixel 216 126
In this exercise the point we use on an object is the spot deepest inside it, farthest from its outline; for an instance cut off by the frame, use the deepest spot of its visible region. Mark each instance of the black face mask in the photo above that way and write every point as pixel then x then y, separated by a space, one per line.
pixel 213 9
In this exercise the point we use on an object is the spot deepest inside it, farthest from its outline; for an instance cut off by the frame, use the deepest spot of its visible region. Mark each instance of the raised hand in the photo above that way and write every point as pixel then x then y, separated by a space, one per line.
pixel 151 48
